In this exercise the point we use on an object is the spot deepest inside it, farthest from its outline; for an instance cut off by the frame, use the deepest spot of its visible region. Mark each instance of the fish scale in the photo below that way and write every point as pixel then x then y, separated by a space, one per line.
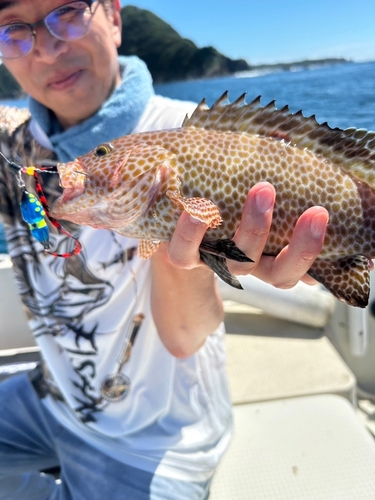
pixel 138 185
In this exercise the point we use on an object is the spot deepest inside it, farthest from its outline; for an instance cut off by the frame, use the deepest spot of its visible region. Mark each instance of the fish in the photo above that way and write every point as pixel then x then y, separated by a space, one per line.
pixel 139 184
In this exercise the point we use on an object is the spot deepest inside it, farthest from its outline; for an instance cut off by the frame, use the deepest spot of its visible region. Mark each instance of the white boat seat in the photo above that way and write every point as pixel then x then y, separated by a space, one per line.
pixel 308 448
pixel 266 368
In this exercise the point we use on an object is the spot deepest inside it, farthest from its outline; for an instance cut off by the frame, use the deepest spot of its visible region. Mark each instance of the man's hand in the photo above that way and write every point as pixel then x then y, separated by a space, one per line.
pixel 293 262
pixel 185 300
pixel 283 270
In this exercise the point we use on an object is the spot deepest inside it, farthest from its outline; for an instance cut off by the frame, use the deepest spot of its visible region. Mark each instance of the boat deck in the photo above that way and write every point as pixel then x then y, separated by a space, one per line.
pixel 299 433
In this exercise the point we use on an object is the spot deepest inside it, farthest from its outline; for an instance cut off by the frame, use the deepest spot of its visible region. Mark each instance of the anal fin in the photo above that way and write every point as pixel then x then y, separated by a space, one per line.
pixel 215 253
pixel 219 266
pixel 347 278
pixel 224 248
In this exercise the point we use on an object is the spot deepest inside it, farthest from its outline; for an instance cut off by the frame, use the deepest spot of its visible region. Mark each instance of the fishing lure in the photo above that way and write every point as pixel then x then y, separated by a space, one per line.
pixel 34 211
pixel 34 215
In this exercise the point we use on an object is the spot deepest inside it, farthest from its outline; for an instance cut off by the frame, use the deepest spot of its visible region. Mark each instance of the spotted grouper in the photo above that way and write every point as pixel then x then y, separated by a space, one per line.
pixel 138 185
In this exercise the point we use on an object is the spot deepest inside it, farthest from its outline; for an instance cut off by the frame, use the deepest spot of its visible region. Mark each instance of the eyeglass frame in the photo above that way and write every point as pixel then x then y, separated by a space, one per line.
pixel 42 21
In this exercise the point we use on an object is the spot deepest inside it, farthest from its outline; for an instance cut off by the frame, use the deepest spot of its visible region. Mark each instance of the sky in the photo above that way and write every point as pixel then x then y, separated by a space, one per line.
pixel 270 31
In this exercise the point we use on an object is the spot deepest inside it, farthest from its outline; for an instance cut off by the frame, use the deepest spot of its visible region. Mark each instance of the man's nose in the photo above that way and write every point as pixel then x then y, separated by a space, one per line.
pixel 46 46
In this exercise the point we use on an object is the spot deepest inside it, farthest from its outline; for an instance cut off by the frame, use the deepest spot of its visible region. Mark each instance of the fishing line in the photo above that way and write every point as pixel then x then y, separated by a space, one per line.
pixel 35 209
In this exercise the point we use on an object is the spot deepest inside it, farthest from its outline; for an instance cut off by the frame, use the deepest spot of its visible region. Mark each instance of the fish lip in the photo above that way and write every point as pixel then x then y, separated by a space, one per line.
pixel 70 192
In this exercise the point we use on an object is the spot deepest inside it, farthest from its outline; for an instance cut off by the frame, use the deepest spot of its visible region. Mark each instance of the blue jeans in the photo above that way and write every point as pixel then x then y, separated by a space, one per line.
pixel 31 440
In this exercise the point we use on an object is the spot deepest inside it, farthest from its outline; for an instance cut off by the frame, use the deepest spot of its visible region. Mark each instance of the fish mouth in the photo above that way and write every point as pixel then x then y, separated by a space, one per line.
pixel 72 180
pixel 60 208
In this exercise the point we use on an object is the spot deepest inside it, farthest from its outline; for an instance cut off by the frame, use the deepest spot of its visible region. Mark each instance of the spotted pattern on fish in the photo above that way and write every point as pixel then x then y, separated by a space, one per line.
pixel 139 184
pixel 356 272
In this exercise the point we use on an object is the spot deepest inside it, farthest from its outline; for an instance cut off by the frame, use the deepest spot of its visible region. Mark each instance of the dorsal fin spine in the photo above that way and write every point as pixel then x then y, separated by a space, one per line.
pixel 351 149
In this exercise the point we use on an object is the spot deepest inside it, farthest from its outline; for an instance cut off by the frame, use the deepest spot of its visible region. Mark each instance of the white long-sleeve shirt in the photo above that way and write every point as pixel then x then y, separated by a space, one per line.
pixel 175 418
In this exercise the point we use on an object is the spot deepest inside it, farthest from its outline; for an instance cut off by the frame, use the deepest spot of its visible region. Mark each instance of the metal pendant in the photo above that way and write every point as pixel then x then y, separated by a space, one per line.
pixel 115 387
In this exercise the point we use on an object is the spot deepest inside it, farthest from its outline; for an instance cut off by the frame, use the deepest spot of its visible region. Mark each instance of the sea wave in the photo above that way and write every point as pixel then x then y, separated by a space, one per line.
pixel 254 73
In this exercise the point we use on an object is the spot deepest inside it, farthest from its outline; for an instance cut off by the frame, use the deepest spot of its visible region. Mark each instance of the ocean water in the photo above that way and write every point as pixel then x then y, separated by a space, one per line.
pixel 342 95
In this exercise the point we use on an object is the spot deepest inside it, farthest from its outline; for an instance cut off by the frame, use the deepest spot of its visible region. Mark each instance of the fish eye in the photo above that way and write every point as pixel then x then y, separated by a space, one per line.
pixel 103 149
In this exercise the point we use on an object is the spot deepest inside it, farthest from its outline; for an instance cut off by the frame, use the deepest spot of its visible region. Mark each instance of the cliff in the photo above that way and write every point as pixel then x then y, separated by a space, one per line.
pixel 168 55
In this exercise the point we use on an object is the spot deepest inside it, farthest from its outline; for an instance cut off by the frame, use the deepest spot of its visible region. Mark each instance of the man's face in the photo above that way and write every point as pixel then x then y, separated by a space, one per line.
pixel 72 78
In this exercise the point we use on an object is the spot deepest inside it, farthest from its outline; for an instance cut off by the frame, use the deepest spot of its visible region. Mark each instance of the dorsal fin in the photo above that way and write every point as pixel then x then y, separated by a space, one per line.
pixel 11 118
pixel 352 149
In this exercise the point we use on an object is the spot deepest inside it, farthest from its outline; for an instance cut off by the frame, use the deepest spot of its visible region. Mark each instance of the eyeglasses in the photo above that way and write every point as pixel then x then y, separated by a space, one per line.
pixel 70 21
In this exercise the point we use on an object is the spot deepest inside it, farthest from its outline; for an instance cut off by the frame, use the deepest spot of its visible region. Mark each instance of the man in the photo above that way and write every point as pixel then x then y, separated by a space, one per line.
pixel 133 400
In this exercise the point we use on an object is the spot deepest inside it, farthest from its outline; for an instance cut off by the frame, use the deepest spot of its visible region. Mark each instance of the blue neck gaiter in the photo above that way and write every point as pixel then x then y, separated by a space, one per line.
pixel 117 117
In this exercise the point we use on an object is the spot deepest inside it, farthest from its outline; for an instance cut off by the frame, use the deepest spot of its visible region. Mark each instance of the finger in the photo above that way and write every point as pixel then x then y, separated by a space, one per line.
pixel 309 280
pixel 256 220
pixel 293 262
pixel 183 249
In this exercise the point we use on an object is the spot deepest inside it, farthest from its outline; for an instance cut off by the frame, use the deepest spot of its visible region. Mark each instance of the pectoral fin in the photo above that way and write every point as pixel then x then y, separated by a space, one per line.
pixel 348 279
pixel 200 208
pixel 146 248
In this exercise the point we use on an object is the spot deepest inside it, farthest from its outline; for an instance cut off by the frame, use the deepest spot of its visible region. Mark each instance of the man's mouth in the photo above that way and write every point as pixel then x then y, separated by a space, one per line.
pixel 64 81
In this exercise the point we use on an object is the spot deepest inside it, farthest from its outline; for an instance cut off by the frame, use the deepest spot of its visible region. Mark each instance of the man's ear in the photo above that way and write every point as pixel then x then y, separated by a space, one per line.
pixel 116 9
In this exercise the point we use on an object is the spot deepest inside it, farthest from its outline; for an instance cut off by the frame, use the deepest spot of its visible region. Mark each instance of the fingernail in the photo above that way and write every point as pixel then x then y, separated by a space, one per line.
pixel 318 225
pixel 264 200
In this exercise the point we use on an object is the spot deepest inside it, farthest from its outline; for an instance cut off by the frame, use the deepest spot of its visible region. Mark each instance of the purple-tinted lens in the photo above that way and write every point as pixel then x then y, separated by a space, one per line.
pixel 70 21
pixel 16 40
